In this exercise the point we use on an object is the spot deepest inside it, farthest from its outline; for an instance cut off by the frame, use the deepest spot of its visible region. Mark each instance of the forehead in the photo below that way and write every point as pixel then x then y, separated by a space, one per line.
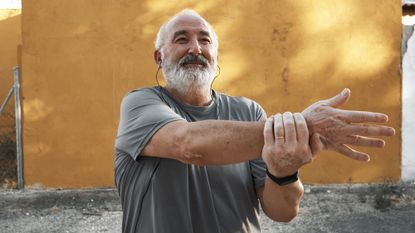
pixel 188 23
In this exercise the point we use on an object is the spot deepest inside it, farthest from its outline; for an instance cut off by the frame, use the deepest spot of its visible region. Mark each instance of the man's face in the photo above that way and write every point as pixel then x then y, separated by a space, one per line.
pixel 189 57
pixel 189 35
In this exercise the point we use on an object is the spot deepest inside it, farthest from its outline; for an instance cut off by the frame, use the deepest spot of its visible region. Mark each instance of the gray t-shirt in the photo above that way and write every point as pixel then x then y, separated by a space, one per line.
pixel 166 196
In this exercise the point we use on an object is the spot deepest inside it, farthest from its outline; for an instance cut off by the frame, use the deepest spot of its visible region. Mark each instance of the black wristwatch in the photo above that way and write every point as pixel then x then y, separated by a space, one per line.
pixel 283 180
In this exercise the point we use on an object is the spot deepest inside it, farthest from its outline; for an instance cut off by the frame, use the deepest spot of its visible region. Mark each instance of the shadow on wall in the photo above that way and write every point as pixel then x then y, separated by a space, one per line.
pixel 80 59
pixel 287 55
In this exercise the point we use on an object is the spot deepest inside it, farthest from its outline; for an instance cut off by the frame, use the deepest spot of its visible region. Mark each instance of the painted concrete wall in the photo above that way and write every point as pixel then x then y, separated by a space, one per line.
pixel 81 57
pixel 10 39
pixel 408 111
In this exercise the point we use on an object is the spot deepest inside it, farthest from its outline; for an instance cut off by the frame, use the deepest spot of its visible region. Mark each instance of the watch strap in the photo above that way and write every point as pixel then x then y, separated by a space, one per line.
pixel 281 181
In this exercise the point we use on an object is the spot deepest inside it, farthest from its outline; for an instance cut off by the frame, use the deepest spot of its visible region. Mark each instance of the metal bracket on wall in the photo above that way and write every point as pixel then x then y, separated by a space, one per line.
pixel 16 90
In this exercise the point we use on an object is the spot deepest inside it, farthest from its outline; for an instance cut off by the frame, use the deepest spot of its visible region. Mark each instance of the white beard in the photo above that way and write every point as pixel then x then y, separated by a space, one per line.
pixel 186 80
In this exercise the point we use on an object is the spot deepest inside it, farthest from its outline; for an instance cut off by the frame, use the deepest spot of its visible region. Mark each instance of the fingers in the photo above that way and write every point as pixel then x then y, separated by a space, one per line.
pixel 362 116
pixel 289 127
pixel 364 141
pixel 339 99
pixel 301 127
pixel 354 154
pixel 268 131
pixel 279 129
pixel 369 130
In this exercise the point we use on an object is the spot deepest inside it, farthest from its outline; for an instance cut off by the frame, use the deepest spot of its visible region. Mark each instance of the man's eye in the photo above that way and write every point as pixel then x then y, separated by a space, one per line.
pixel 181 40
pixel 205 41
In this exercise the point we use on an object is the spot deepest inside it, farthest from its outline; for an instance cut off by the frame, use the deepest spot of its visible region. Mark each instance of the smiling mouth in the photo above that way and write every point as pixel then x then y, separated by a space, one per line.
pixel 191 61
pixel 190 64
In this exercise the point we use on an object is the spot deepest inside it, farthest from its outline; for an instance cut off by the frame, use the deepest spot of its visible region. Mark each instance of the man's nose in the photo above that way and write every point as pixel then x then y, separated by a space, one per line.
pixel 195 48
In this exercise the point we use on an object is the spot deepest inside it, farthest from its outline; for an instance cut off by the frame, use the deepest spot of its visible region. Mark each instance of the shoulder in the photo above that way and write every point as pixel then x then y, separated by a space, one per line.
pixel 141 97
pixel 141 94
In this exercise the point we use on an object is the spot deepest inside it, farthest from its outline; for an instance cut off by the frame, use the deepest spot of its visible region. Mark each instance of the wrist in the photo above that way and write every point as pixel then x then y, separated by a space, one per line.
pixel 281 181
pixel 279 172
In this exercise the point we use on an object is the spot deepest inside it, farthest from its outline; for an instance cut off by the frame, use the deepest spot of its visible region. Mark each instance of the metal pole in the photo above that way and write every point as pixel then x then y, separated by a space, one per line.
pixel 20 179
pixel 7 99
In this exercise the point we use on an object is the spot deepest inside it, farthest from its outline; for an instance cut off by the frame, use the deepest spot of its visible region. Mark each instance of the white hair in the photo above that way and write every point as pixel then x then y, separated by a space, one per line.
pixel 161 35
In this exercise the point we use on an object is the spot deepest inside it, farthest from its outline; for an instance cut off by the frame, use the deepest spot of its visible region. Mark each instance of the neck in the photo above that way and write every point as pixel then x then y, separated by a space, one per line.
pixel 194 96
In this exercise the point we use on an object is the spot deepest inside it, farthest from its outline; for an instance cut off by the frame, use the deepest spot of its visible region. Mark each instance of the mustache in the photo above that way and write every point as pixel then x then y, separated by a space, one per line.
pixel 193 59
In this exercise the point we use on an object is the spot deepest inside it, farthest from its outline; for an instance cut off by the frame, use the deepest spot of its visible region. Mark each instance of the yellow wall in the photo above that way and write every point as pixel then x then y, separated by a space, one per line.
pixel 81 57
pixel 10 39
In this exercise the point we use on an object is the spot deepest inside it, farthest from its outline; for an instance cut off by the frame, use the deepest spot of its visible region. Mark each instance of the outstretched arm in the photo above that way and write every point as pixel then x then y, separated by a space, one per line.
pixel 224 142
pixel 209 142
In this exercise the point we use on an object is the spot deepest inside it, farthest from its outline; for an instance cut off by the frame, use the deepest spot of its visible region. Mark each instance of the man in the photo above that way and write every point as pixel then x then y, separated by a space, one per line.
pixel 189 159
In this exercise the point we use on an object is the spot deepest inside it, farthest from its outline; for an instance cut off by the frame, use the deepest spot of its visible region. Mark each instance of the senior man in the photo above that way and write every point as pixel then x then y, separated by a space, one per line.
pixel 190 159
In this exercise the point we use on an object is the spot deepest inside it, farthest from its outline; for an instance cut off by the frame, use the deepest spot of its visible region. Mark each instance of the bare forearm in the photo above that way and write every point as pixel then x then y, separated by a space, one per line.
pixel 222 142
pixel 209 142
pixel 281 203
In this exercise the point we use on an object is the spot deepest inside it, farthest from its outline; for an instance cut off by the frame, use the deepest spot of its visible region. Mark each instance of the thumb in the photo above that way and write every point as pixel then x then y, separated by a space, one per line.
pixel 339 99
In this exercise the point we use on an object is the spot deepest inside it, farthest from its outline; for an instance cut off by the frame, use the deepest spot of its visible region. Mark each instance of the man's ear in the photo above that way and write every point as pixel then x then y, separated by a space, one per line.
pixel 157 57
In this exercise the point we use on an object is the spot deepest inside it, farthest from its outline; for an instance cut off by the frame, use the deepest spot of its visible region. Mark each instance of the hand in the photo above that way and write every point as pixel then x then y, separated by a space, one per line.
pixel 333 128
pixel 286 146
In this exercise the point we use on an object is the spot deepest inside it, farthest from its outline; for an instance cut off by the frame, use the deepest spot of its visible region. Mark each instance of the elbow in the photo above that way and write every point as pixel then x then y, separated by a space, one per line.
pixel 285 216
pixel 286 212
pixel 284 208
pixel 186 150
pixel 189 157
pixel 288 217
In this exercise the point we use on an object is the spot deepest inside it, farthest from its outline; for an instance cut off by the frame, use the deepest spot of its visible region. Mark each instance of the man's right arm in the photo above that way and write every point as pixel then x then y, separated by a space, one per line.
pixel 222 142
pixel 209 142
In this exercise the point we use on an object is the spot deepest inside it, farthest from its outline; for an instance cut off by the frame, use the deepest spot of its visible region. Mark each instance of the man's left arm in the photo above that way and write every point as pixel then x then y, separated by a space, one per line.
pixel 285 150
pixel 321 126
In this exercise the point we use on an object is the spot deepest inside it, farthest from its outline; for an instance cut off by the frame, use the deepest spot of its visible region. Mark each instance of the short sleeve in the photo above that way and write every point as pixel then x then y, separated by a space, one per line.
pixel 142 113
pixel 258 172
pixel 257 166
pixel 260 112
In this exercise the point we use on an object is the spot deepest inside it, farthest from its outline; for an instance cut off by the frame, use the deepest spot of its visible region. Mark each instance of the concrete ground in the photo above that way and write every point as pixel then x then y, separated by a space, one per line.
pixel 335 208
